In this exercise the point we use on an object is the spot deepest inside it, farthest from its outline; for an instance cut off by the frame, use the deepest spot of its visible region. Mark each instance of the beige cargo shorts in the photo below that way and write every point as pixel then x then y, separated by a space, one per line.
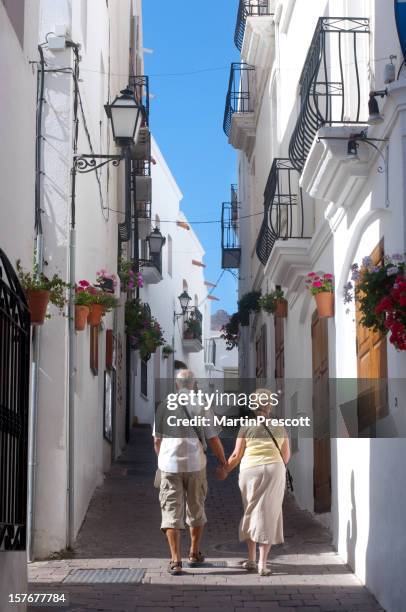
pixel 179 491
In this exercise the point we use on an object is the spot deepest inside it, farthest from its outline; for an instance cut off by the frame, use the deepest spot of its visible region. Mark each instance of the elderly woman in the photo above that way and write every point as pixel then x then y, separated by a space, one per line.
pixel 262 484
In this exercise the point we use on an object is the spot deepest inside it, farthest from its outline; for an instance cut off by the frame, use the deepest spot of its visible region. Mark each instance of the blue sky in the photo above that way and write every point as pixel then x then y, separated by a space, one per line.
pixel 187 113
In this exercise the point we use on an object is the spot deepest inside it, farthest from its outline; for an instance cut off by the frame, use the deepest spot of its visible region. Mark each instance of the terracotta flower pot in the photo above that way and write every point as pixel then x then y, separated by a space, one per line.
pixel 325 304
pixel 95 315
pixel 188 335
pixel 81 314
pixel 37 303
pixel 281 308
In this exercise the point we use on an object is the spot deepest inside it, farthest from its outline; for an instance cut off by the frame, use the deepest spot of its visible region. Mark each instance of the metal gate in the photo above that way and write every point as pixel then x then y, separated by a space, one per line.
pixel 14 397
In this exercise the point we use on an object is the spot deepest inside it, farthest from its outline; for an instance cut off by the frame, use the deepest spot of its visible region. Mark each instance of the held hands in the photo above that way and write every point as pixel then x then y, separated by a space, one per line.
pixel 221 472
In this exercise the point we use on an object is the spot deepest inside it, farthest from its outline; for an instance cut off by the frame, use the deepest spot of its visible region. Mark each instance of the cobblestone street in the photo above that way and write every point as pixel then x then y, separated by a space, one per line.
pixel 121 530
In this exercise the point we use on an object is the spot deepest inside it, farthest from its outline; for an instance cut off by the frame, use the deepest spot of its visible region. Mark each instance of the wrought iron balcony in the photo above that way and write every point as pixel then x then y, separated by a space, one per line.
pixel 142 186
pixel 330 83
pixel 240 94
pixel 249 8
pixel 239 111
pixel 283 208
pixel 140 85
pixel 230 242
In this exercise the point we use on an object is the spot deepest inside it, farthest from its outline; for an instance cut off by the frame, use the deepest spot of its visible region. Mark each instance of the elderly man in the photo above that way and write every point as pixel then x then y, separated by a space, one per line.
pixel 182 465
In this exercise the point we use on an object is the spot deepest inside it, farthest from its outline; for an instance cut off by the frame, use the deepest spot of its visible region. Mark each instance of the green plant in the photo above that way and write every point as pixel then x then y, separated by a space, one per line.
pixel 128 276
pixel 320 284
pixel 372 289
pixel 105 299
pixel 194 327
pixel 83 297
pixel 249 302
pixel 38 281
pixel 144 331
pixel 230 331
pixel 167 350
pixel 269 301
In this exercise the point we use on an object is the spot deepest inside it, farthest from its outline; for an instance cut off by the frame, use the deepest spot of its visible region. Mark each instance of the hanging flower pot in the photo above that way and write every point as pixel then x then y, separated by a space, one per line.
pixel 38 300
pixel 322 287
pixel 40 290
pixel 95 315
pixel 81 314
pixel 325 304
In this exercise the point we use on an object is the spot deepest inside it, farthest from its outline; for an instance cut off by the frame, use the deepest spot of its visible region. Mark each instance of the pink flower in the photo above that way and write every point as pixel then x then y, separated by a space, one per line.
pixel 328 276
pixel 84 283
pixel 312 274
pixel 317 283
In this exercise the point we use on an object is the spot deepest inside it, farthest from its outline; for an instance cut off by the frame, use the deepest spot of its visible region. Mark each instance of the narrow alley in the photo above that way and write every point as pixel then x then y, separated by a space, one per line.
pixel 121 531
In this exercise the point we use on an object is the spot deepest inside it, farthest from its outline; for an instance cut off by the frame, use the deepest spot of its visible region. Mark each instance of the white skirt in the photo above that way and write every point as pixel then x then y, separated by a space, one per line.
pixel 262 491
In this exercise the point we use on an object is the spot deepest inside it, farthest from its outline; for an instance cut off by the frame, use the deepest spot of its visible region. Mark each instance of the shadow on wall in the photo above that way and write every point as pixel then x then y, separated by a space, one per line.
pixel 352 527
pixel 386 549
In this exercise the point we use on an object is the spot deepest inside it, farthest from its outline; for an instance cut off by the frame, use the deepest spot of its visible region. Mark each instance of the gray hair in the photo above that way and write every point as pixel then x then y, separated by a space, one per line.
pixel 185 378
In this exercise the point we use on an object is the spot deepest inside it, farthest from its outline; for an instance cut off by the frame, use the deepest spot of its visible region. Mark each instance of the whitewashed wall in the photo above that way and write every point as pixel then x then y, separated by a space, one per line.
pixel 365 519
pixel 96 247
pixel 163 297
pixel 17 176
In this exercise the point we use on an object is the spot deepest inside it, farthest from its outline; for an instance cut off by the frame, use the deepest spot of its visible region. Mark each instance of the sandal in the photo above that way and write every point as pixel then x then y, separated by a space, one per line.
pixel 175 568
pixel 195 559
pixel 264 572
pixel 250 566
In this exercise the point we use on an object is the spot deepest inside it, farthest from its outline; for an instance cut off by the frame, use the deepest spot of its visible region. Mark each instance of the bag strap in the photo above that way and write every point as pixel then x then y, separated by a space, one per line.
pixel 289 479
pixel 274 441
pixel 194 428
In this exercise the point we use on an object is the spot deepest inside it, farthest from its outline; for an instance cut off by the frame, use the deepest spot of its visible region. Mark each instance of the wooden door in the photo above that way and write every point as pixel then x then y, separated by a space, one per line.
pixel 279 348
pixel 321 416
pixel 261 356
pixel 372 366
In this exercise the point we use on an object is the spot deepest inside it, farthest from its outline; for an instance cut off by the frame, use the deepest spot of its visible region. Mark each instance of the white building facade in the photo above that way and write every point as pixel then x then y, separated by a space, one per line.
pixel 317 202
pixel 18 41
pixel 181 269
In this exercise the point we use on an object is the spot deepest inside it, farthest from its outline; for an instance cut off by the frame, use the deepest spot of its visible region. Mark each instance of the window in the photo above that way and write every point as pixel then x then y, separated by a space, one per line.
pixel 144 378
pixel 169 242
pixel 15 11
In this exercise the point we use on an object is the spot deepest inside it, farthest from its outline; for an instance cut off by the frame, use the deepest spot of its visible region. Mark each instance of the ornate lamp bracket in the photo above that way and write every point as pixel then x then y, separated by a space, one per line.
pixel 89 162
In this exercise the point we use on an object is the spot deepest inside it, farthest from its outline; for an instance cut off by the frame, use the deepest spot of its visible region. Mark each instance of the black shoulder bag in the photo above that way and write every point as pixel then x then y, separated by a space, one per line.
pixel 289 479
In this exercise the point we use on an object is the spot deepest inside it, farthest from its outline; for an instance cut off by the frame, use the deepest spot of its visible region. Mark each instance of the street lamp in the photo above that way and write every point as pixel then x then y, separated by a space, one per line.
pixel 375 116
pixel 125 115
pixel 184 300
pixel 156 241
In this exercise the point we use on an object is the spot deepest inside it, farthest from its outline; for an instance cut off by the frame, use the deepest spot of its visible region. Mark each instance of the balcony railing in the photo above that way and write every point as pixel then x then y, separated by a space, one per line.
pixel 140 85
pixel 193 324
pixel 240 94
pixel 283 208
pixel 142 186
pixel 249 8
pixel 230 241
pixel 330 83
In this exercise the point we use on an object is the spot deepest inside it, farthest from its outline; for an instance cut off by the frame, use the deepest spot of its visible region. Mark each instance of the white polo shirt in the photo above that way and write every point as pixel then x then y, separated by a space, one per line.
pixel 186 454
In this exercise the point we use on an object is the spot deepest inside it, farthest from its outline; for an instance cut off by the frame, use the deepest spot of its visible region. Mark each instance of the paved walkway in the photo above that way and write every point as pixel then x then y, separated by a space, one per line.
pixel 121 531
